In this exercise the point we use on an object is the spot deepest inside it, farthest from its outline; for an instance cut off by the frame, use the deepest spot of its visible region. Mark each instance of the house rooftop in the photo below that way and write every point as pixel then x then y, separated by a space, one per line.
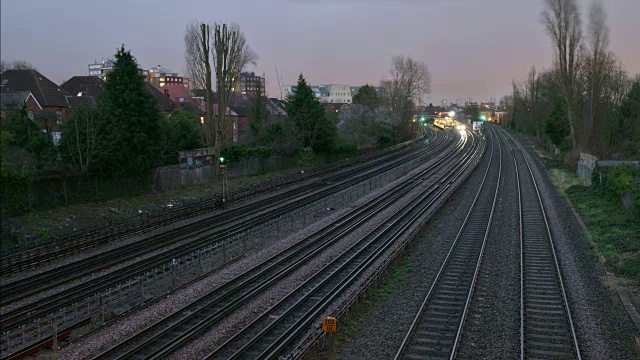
pixel 45 91
pixel 11 100
pixel 87 85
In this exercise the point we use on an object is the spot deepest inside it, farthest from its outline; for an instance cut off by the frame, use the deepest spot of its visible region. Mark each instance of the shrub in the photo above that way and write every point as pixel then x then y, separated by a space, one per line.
pixel 620 180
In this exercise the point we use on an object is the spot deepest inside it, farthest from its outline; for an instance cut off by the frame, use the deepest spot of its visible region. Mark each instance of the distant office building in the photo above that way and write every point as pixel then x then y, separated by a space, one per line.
pixel 160 77
pixel 250 83
pixel 103 68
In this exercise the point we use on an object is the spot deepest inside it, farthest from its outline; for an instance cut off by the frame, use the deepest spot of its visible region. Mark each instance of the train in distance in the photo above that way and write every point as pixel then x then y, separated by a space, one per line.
pixel 446 123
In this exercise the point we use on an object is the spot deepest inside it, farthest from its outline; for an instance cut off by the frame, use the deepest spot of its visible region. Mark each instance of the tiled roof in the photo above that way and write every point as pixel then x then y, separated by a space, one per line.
pixel 11 100
pixel 78 101
pixel 228 112
pixel 164 103
pixel 244 103
pixel 176 92
pixel 46 92
pixel 88 85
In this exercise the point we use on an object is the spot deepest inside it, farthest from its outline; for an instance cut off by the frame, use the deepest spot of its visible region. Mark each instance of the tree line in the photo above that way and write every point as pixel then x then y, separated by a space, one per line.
pixel 124 135
pixel 586 102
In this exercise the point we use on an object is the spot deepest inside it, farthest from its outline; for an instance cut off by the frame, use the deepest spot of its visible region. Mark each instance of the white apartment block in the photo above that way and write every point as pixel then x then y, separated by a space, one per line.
pixel 332 93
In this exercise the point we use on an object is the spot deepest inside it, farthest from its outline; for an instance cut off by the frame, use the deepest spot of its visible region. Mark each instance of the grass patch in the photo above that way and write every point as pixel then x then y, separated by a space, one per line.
pixel 616 231
pixel 353 323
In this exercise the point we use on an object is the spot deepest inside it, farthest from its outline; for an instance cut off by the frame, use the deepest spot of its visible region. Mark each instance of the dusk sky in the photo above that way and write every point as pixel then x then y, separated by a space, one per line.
pixel 473 48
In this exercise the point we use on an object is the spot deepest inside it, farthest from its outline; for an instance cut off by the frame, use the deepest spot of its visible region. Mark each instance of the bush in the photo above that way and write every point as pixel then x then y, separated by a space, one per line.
pixel 620 180
pixel 236 152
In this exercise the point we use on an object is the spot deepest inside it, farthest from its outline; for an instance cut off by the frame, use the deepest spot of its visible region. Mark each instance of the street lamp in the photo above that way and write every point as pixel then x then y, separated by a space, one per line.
pixel 452 113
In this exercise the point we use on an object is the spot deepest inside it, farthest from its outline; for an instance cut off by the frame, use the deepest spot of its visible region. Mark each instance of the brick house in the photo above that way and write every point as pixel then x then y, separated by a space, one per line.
pixel 18 100
pixel 50 97
pixel 232 131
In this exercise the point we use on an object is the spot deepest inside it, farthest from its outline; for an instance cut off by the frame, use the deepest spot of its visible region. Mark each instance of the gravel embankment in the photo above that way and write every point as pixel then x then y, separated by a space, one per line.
pixel 386 324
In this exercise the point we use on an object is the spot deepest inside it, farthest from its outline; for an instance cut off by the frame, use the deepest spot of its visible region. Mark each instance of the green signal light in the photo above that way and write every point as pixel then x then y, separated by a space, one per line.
pixel 221 159
pixel 483 117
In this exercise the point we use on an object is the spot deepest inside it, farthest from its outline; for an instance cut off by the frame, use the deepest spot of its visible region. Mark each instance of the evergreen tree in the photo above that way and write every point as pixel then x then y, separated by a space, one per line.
pixel 133 140
pixel 557 126
pixel 368 96
pixel 309 118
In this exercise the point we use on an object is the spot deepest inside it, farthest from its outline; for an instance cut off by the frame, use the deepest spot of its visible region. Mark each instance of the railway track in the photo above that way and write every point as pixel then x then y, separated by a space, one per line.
pixel 177 329
pixel 27 314
pixel 26 287
pixel 14 262
pixel 289 320
pixel 546 325
pixel 436 330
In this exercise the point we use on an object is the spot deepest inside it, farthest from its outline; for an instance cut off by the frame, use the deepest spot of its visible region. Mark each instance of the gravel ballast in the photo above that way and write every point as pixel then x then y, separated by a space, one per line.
pixel 116 332
pixel 385 325
pixel 492 329
pixel 604 328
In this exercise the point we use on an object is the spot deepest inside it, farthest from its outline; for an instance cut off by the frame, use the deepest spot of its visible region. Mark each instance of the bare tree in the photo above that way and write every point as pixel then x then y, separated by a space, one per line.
pixel 598 61
pixel 82 136
pixel 532 95
pixel 197 41
pixel 231 54
pixel 561 19
pixel 15 65
pixel 408 83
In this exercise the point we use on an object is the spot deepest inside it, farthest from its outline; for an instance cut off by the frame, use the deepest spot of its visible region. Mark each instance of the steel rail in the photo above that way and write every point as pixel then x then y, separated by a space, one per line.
pixel 41 307
pixel 36 315
pixel 14 261
pixel 17 290
pixel 449 310
pixel 177 322
pixel 277 342
pixel 541 330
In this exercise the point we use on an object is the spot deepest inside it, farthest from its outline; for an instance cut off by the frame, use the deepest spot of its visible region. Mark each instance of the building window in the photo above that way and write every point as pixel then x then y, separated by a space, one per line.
pixel 30 115
pixel 59 115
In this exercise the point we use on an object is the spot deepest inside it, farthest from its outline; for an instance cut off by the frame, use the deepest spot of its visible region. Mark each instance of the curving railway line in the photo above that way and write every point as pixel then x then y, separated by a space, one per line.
pixel 252 214
pixel 547 329
pixel 286 324
pixel 24 315
pixel 436 329
pixel 179 328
